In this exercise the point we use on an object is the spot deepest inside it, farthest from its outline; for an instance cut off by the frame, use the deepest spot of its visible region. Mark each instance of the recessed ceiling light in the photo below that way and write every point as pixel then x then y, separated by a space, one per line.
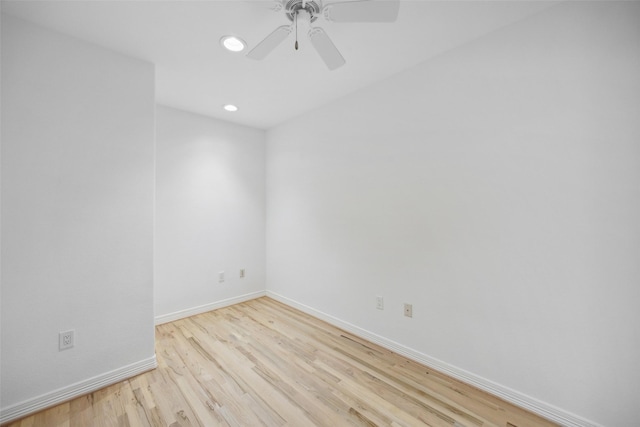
pixel 230 107
pixel 233 43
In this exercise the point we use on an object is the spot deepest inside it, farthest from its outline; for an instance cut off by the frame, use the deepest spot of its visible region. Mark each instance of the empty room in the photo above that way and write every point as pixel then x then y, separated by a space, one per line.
pixel 320 213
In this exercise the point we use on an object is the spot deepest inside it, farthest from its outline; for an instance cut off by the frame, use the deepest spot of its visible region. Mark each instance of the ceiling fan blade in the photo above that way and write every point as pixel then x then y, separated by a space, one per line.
pixel 326 49
pixel 363 11
pixel 262 49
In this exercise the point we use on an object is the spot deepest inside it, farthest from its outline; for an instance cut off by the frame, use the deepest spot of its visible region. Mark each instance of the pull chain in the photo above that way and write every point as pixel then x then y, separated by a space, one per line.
pixel 296 45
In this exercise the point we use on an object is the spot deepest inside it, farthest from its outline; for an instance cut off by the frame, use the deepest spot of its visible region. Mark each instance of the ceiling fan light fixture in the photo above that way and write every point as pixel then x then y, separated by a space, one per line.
pixel 230 107
pixel 233 43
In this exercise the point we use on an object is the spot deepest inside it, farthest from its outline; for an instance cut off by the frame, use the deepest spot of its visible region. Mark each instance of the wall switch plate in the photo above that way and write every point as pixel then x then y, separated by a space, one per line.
pixel 221 276
pixel 408 310
pixel 379 303
pixel 66 339
pixel 242 273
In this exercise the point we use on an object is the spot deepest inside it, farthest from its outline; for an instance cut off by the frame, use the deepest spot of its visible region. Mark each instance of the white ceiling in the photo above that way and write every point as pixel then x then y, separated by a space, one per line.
pixel 194 73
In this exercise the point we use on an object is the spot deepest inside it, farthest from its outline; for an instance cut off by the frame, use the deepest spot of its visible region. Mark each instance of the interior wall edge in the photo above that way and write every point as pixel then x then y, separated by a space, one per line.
pixel 514 397
pixel 78 389
pixel 170 317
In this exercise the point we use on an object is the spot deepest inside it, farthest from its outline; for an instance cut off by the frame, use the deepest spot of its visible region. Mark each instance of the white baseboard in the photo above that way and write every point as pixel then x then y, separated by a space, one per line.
pixel 529 403
pixel 64 394
pixel 170 317
pixel 75 390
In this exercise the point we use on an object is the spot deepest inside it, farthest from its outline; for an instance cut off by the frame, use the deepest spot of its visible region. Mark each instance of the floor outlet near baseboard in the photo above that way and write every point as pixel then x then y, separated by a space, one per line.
pixel 380 303
pixel 66 339
pixel 221 276
pixel 408 310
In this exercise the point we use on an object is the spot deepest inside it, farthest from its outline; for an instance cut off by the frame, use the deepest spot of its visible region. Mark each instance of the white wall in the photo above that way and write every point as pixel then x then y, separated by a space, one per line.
pixel 77 215
pixel 210 211
pixel 496 188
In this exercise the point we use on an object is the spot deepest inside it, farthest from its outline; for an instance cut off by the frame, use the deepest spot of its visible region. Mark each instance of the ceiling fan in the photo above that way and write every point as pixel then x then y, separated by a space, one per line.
pixel 305 12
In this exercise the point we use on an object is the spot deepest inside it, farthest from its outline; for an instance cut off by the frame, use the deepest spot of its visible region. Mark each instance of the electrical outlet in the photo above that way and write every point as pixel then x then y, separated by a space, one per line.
pixel 408 310
pixel 221 276
pixel 379 303
pixel 242 273
pixel 66 339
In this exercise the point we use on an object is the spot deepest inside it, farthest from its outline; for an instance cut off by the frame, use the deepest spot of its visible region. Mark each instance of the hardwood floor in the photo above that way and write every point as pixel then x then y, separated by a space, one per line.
pixel 262 363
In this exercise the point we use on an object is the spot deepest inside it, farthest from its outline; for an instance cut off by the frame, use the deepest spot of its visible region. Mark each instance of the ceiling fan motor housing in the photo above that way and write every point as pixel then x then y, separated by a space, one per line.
pixel 293 6
pixel 305 12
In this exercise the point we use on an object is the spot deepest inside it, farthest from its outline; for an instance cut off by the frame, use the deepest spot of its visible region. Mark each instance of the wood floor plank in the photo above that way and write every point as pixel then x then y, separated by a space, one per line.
pixel 262 363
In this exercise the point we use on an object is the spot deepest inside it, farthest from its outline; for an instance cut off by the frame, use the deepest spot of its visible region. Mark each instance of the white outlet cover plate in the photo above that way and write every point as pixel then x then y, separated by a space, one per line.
pixel 408 310
pixel 66 339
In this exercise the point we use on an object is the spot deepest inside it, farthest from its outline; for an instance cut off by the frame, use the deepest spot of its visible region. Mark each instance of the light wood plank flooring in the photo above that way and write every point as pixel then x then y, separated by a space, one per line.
pixel 262 363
